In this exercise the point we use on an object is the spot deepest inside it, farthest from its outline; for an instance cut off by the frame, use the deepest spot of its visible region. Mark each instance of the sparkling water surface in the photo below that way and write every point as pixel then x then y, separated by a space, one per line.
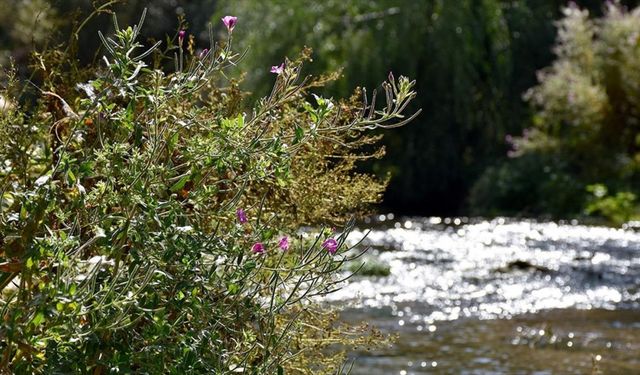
pixel 466 295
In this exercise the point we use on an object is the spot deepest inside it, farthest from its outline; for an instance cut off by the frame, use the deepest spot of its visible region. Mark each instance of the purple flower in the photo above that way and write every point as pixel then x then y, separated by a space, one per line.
pixel 230 22
pixel 284 243
pixel 258 248
pixel 242 216
pixel 330 245
pixel 277 69
pixel 181 35
pixel 203 53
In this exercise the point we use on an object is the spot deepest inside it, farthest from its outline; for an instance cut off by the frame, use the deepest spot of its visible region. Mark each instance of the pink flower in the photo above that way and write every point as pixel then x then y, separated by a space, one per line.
pixel 277 69
pixel 284 243
pixel 230 22
pixel 330 245
pixel 258 248
pixel 203 53
pixel 181 35
pixel 242 216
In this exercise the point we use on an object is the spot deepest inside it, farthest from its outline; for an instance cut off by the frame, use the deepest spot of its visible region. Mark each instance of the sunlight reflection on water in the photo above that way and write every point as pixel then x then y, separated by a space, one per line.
pixel 504 296
pixel 497 268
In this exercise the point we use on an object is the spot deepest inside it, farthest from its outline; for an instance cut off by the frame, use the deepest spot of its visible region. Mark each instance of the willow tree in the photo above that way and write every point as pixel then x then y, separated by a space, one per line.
pixel 471 59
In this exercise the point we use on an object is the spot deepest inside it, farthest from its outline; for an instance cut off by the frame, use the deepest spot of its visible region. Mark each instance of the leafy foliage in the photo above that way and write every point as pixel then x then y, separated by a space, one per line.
pixel 618 208
pixel 122 243
pixel 533 185
pixel 587 107
pixel 472 58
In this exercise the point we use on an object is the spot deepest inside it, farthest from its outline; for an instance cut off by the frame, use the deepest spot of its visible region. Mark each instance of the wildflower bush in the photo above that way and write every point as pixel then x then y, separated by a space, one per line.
pixel 148 224
pixel 586 129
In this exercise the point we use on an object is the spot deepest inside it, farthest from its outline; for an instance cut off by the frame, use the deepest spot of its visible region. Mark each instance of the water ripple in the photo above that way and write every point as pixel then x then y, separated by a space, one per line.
pixel 498 268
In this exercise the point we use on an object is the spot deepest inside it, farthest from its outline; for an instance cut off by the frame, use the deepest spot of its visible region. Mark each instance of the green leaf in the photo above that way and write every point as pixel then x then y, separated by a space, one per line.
pixel 249 266
pixel 180 184
pixel 308 107
pixel 299 135
pixel 38 319
pixel 268 234
pixel 240 121
pixel 235 123
pixel 233 288
pixel 173 141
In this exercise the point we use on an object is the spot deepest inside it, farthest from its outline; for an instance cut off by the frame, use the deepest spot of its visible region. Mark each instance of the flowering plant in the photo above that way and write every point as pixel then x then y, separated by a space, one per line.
pixel 140 211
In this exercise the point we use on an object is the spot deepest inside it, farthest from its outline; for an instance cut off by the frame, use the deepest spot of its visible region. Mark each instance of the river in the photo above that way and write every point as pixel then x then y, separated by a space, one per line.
pixel 503 296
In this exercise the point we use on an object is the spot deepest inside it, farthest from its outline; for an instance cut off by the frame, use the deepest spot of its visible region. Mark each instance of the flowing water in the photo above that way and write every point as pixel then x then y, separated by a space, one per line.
pixel 498 297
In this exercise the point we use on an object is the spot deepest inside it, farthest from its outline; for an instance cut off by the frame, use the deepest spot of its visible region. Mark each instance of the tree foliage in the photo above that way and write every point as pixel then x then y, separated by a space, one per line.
pixel 471 59
pixel 586 120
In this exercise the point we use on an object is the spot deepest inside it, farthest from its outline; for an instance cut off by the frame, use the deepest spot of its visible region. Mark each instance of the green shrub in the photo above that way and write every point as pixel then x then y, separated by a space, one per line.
pixel 587 112
pixel 530 185
pixel 618 208
pixel 148 225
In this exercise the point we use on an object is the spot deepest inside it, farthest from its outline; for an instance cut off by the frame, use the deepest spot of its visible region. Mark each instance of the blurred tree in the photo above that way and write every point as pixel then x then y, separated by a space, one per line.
pixel 586 124
pixel 472 61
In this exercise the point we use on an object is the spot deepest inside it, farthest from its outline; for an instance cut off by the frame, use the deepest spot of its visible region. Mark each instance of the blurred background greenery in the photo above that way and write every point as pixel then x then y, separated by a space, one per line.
pixel 530 107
